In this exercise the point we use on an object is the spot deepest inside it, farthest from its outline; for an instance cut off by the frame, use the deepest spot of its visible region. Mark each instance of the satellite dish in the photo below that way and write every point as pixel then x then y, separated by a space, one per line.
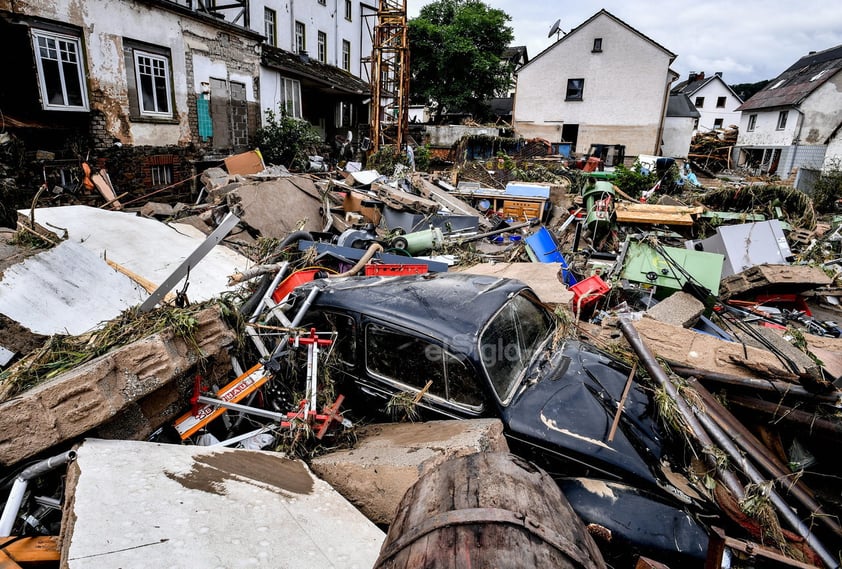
pixel 554 29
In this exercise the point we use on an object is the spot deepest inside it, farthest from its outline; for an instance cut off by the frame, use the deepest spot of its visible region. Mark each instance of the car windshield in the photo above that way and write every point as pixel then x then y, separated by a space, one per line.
pixel 510 340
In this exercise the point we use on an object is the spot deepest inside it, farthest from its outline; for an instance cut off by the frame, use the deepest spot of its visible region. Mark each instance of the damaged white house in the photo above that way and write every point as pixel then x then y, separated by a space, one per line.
pixel 602 83
pixel 792 126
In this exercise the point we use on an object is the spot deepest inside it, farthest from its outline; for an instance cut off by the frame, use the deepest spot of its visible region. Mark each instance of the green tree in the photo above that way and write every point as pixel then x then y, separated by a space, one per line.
pixel 455 56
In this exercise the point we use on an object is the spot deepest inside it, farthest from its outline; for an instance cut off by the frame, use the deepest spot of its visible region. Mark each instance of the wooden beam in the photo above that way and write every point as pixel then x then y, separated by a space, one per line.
pixel 40 549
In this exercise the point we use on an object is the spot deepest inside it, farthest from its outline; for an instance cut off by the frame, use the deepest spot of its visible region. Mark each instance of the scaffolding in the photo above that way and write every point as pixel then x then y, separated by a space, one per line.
pixel 390 76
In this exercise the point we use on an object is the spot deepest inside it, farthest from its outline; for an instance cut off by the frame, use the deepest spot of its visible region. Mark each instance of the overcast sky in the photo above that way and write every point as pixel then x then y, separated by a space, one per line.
pixel 747 40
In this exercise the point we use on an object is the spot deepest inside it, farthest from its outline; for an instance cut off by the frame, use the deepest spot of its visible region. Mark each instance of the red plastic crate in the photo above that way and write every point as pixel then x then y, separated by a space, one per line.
pixel 394 270
pixel 588 291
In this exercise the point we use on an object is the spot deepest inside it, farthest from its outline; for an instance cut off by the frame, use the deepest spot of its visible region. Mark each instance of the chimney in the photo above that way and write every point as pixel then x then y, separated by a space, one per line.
pixel 700 76
pixel 691 77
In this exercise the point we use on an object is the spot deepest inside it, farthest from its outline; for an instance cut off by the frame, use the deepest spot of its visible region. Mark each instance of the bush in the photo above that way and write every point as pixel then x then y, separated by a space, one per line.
pixel 828 189
pixel 287 141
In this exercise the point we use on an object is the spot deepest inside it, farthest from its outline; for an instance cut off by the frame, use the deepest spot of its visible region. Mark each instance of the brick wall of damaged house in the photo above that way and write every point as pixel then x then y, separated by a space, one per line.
pixel 150 88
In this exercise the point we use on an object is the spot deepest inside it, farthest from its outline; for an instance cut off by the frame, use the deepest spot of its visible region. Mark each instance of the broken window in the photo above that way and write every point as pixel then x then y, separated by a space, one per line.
pixel 597 45
pixel 348 10
pixel 717 123
pixel 322 47
pixel 720 102
pixel 575 89
pixel 782 119
pixel 752 122
pixel 300 38
pixel 346 55
pixel 270 26
pixel 700 102
pixel 60 71
pixel 291 97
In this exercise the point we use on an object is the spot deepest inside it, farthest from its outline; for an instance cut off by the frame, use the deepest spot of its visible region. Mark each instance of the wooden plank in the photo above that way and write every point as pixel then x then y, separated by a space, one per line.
pixel 652 214
pixel 40 549
pixel 106 190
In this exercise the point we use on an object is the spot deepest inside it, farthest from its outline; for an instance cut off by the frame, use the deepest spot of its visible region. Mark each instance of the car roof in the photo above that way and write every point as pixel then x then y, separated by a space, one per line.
pixel 443 305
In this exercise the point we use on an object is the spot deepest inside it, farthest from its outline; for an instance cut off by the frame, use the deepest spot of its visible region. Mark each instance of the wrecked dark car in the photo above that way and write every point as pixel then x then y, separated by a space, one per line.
pixel 466 346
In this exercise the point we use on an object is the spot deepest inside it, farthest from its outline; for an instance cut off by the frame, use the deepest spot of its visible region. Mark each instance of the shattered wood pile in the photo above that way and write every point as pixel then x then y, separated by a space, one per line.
pixel 711 151
pixel 354 298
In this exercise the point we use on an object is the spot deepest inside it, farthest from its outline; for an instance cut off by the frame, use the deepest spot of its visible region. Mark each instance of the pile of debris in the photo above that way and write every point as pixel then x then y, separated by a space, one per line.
pixel 671 364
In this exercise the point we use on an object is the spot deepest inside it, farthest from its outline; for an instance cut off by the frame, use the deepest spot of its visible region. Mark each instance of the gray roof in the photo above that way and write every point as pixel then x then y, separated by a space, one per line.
pixel 680 105
pixel 795 84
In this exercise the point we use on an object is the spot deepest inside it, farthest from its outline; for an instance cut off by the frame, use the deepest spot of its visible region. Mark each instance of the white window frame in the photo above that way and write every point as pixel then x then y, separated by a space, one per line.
pixel 344 110
pixel 270 26
pixel 291 97
pixel 300 37
pixel 348 10
pixel 322 46
pixel 159 63
pixel 161 174
pixel 346 55
pixel 782 116
pixel 68 41
pixel 752 122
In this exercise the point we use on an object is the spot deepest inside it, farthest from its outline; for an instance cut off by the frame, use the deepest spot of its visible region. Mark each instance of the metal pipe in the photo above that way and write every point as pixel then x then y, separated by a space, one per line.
pixel 657 373
pixel 777 387
pixel 783 508
pixel 704 428
pixel 763 457
pixel 13 503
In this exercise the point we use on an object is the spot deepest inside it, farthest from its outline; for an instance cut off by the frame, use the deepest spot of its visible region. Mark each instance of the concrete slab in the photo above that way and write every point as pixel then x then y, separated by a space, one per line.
pixel 125 387
pixel 544 278
pixel 65 290
pixel 389 458
pixel 678 309
pixel 149 505
pixel 146 247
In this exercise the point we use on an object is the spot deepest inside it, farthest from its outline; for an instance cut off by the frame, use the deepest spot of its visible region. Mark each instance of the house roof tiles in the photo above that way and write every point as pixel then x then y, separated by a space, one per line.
pixel 798 81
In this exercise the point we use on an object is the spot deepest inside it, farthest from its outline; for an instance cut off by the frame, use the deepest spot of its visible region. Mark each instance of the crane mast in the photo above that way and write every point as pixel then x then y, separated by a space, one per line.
pixel 390 76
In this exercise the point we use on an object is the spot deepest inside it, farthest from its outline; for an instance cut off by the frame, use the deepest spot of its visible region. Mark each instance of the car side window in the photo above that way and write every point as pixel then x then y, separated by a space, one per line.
pixel 414 361
pixel 403 358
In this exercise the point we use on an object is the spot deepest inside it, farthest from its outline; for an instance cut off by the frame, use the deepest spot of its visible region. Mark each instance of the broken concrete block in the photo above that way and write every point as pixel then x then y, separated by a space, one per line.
pixel 389 458
pixel 678 309
pixel 98 391
pixel 275 208
pixel 142 504
pixel 214 177
pixel 773 278
pixel 155 209
pixel 544 278
pixel 696 350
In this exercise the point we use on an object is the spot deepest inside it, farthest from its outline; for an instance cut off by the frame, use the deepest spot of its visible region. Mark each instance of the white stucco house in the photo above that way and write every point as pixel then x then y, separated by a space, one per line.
pixel 682 117
pixel 792 126
pixel 716 102
pixel 603 82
